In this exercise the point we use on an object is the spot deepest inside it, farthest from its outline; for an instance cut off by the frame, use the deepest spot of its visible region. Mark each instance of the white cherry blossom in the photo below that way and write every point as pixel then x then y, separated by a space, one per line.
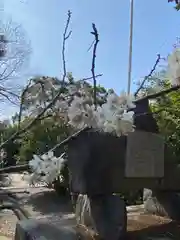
pixel 111 117
pixel 46 168
pixel 174 67
pixel 107 117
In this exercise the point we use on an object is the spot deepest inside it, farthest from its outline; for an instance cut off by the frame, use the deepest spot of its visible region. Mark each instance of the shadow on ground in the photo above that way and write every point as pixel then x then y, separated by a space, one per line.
pixel 168 231
pixel 49 202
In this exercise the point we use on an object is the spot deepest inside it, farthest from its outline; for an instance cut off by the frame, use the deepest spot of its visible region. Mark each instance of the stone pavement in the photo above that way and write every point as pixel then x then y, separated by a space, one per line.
pixel 5 238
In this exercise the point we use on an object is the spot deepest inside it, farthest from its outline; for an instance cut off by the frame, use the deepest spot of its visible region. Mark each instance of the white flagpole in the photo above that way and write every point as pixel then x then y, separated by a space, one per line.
pixel 130 46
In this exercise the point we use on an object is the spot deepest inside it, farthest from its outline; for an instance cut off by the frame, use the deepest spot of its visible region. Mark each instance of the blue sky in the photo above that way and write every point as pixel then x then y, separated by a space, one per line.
pixel 155 31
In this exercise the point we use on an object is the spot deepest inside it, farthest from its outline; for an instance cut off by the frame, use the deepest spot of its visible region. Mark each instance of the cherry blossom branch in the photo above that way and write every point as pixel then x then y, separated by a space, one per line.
pixel 159 94
pixel 12 169
pixel 21 104
pixel 25 167
pixel 68 139
pixel 96 35
pixel 148 76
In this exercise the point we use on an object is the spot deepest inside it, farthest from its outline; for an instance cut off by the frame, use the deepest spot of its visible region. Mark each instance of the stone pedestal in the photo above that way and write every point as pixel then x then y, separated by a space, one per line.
pixel 163 203
pixel 106 215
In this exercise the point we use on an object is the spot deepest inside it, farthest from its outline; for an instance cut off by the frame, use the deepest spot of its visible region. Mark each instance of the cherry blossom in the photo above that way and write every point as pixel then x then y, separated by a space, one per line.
pixel 46 168
pixel 174 67
pixel 111 117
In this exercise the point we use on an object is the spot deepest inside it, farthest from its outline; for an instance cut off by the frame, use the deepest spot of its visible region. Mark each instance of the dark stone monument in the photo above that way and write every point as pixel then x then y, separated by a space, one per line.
pixel 101 164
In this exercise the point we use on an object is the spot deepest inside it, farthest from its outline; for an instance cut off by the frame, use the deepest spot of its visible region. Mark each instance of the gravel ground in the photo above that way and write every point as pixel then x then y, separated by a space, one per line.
pixel 44 203
pixel 41 202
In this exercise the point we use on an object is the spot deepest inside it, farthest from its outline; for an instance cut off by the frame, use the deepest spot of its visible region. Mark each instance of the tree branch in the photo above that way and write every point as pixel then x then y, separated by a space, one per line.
pixel 158 94
pixel 66 35
pixel 21 104
pixel 89 78
pixel 25 167
pixel 96 35
pixel 149 75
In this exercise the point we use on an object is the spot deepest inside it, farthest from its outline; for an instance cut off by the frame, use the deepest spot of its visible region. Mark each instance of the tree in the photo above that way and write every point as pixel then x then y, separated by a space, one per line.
pixel 11 149
pixel 168 116
pixel 51 128
pixel 41 91
pixel 177 3
pixel 42 137
pixel 165 109
pixel 14 55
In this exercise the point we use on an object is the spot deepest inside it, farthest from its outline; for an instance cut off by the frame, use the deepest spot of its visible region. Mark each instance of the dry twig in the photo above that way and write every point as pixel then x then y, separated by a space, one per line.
pixel 89 78
pixel 149 75
pixel 66 35
pixel 96 35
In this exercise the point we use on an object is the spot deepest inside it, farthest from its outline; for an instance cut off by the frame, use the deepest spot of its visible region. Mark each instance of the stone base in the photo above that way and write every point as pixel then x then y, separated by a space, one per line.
pixel 162 203
pixel 106 215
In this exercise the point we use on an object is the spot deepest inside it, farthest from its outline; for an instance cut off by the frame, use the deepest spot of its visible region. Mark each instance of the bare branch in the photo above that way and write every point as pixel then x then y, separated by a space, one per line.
pixel 16 50
pixel 96 35
pixel 4 76
pixel 89 78
pixel 11 169
pixel 2 89
pixel 149 75
pixel 6 97
pixel 91 45
pixel 68 139
pixel 66 35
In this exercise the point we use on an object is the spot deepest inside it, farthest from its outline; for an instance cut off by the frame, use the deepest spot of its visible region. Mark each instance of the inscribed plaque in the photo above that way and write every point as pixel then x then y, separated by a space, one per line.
pixel 144 155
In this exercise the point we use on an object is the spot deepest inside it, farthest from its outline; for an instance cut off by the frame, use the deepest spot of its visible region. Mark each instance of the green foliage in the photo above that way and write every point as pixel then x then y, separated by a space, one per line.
pixel 47 132
pixel 177 7
pixel 12 147
pixel 167 112
pixel 42 137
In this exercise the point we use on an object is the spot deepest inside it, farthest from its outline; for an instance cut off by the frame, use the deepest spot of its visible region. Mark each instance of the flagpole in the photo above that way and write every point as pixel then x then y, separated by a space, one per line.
pixel 130 46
